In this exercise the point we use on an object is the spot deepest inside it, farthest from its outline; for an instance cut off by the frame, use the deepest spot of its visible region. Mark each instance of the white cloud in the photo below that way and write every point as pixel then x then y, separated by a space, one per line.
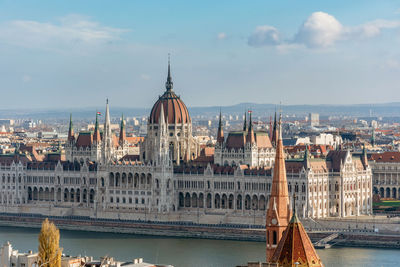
pixel 319 30
pixel 71 30
pixel 221 36
pixel 264 35
pixel 372 28
pixel 26 78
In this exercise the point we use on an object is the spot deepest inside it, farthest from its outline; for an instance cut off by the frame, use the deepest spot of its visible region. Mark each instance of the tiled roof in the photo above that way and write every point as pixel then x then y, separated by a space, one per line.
pixel 175 111
pixel 85 139
pixel 236 140
pixel 386 157
pixel 295 247
pixel 262 140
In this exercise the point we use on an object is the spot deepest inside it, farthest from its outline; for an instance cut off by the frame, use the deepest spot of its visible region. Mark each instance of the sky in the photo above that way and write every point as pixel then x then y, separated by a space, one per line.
pixel 74 54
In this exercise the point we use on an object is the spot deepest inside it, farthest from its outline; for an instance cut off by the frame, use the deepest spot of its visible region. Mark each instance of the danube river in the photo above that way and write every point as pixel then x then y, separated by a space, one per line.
pixel 186 252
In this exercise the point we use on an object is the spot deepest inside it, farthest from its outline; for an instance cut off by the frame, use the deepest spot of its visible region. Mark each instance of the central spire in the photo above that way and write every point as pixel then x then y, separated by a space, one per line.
pixel 169 84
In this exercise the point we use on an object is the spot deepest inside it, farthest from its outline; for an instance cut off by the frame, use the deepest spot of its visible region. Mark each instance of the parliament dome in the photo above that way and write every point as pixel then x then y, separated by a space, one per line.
pixel 175 111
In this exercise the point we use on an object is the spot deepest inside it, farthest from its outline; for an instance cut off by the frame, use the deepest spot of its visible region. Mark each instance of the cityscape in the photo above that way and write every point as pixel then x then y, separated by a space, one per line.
pixel 180 163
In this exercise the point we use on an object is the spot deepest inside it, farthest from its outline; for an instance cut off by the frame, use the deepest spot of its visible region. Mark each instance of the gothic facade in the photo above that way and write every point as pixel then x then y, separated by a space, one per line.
pixel 244 147
pixel 98 180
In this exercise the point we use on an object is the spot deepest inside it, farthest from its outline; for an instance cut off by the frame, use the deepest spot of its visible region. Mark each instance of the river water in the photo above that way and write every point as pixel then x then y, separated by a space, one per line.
pixel 182 252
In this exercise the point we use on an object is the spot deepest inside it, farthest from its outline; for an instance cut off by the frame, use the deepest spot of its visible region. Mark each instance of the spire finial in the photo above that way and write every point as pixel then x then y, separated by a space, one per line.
pixel 169 84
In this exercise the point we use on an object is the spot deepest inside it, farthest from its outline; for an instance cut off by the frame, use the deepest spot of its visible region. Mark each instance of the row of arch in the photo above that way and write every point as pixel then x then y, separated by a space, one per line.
pixel 222 201
pixel 388 192
pixel 68 195
pixel 129 180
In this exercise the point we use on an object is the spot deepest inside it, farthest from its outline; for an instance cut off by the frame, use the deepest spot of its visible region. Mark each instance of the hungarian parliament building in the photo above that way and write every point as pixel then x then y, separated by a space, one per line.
pixel 102 177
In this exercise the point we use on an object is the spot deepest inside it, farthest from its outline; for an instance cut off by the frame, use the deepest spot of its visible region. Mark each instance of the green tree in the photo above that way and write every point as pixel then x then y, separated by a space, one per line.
pixel 49 245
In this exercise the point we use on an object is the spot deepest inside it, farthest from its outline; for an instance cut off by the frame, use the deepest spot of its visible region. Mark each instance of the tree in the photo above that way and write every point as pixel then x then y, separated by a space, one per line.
pixel 49 245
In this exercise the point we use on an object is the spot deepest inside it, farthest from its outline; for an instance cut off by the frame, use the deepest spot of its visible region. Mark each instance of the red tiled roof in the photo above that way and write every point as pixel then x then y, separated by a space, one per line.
pixel 236 140
pixel 85 139
pixel 386 157
pixel 296 247
pixel 175 111
pixel 262 140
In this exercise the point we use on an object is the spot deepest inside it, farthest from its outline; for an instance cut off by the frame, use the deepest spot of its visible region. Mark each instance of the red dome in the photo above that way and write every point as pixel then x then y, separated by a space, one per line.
pixel 175 111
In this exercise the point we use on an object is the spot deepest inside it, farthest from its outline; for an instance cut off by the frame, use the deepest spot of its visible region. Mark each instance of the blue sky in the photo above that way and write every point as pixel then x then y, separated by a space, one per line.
pixel 77 53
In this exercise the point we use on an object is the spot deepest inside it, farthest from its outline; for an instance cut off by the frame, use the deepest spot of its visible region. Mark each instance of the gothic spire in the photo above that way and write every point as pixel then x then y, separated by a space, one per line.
pixel 71 136
pixel 122 132
pixel 274 132
pixel 307 157
pixel 96 134
pixel 364 157
pixel 107 124
pixel 250 132
pixel 245 122
pixel 169 84
pixel 220 137
pixel 107 136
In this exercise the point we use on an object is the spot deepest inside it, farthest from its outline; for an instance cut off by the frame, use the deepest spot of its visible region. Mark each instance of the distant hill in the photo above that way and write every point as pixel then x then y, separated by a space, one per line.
pixel 358 110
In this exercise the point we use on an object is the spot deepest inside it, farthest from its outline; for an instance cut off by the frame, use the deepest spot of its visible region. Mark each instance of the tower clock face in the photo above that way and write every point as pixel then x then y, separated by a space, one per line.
pixel 274 221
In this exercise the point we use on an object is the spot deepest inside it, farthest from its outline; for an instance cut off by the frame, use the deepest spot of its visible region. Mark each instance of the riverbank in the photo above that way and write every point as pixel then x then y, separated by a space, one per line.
pixel 364 239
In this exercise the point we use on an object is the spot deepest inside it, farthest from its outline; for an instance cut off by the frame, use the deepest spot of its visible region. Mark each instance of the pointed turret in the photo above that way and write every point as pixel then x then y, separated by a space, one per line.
pixel 307 157
pixel 96 134
pixel 107 128
pixel 107 136
pixel 278 213
pixel 274 132
pixel 71 135
pixel 162 121
pixel 220 136
pixel 245 123
pixel 122 132
pixel 295 247
pixel 364 158
pixel 169 84
pixel 250 133
pixel 373 137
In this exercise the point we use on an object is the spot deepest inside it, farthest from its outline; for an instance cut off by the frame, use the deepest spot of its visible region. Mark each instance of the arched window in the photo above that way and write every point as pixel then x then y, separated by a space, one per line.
pixel 274 238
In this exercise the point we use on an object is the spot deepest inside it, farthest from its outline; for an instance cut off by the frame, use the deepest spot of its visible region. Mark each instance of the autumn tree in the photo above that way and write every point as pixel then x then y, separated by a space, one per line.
pixel 49 245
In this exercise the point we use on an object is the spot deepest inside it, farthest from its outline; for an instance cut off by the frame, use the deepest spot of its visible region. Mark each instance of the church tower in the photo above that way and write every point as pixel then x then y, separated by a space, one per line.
pixel 278 213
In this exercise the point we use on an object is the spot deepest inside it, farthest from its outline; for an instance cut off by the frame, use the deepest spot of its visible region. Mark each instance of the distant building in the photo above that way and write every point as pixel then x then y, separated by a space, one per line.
pixel 314 119
pixel 386 174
